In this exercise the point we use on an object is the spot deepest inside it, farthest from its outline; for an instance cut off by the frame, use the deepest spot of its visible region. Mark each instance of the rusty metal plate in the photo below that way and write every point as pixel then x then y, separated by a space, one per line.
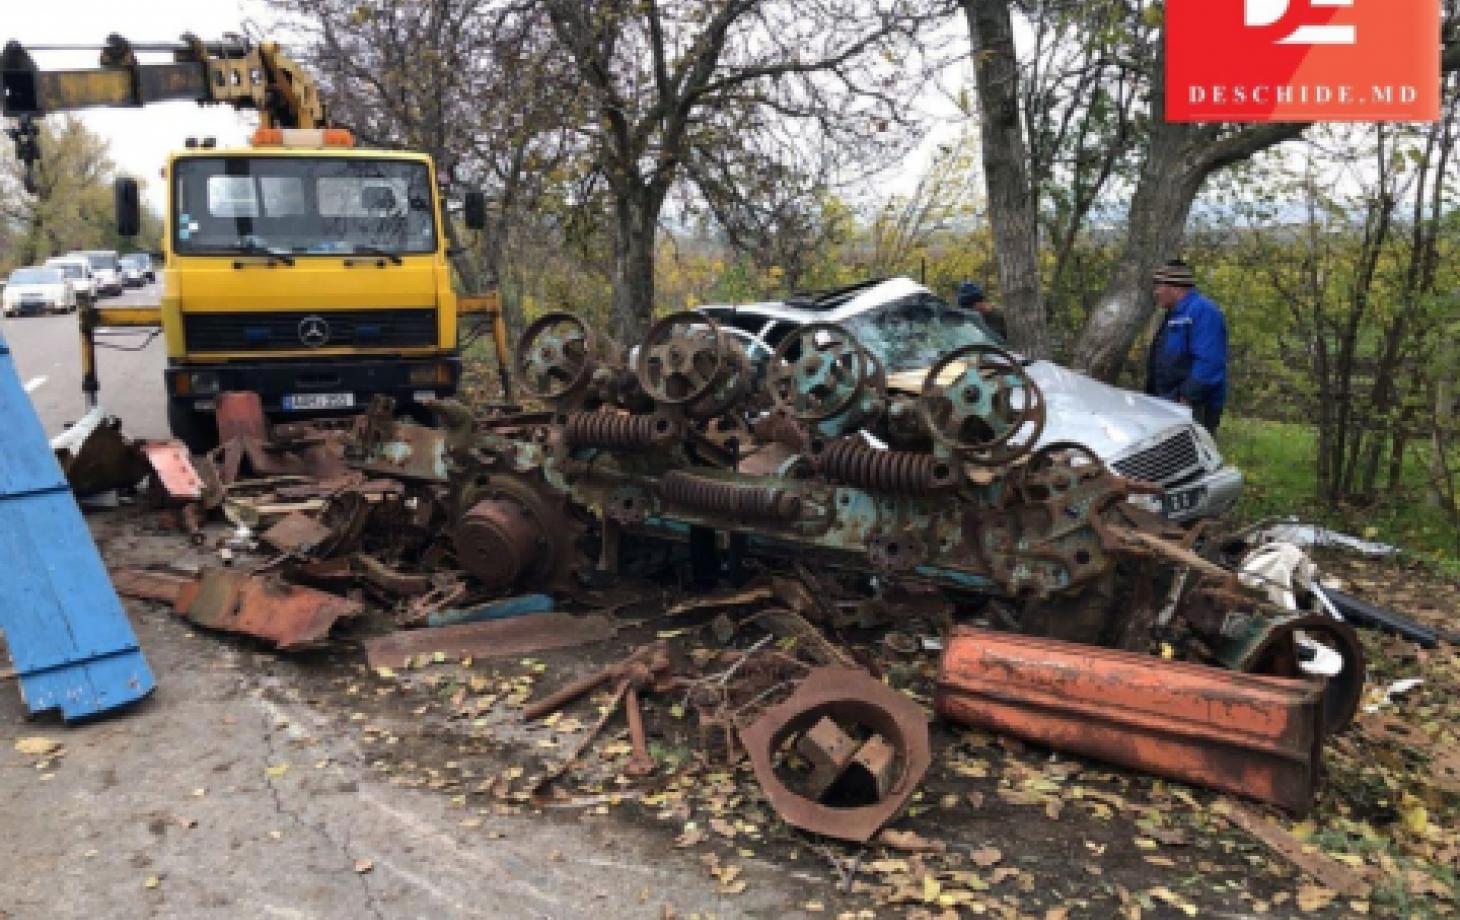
pixel 152 586
pixel 296 534
pixel 290 616
pixel 490 639
pixel 173 467
pixel 1254 736
pixel 240 414
pixel 844 695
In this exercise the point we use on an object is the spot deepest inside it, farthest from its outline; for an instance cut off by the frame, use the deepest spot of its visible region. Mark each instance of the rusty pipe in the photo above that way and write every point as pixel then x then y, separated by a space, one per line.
pixel 641 762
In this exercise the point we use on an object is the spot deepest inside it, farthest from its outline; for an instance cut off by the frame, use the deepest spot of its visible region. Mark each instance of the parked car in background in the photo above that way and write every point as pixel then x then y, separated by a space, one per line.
pixel 131 273
pixel 77 271
pixel 142 262
pixel 35 290
pixel 908 328
pixel 105 268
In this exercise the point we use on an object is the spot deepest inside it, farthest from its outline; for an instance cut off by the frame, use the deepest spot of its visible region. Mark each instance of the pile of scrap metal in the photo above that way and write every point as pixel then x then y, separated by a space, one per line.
pixel 335 524
pixel 808 456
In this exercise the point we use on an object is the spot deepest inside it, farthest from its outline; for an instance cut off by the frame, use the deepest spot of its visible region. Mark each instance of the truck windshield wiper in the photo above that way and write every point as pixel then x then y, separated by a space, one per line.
pixel 377 251
pixel 273 255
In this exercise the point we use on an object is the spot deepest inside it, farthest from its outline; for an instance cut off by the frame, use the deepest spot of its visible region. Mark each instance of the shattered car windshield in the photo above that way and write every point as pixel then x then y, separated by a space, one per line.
pixel 302 206
pixel 914 332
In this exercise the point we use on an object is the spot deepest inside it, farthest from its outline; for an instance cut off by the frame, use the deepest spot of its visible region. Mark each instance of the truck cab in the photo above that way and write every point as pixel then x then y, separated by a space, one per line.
pixel 307 270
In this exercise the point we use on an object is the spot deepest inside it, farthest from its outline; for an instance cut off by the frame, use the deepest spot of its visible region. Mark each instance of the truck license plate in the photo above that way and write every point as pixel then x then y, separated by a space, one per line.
pixel 1185 500
pixel 299 402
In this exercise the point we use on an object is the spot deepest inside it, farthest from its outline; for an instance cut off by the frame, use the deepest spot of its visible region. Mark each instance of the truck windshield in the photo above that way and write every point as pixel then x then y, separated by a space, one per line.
pixel 304 206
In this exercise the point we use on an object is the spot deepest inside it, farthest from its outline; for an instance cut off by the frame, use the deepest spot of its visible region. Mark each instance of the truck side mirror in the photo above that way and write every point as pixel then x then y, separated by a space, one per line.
pixel 129 206
pixel 474 210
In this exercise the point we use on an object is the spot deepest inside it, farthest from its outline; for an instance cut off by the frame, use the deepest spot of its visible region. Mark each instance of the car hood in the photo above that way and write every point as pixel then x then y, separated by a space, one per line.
pixel 1107 419
pixel 35 290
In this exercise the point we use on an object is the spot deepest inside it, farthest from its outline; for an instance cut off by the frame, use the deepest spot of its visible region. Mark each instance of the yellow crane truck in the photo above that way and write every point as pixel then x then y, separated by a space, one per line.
pixel 300 266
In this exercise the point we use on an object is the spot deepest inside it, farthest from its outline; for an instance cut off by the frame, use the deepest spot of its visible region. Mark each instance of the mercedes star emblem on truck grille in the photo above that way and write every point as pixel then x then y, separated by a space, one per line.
pixel 314 331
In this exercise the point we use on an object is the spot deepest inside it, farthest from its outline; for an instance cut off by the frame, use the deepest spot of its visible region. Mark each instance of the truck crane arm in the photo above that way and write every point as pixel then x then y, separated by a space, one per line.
pixel 233 72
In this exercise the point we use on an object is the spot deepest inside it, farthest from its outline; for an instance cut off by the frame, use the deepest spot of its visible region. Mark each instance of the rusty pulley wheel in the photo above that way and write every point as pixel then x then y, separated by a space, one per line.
pixel 683 358
pixel 980 402
pixel 556 356
pixel 819 370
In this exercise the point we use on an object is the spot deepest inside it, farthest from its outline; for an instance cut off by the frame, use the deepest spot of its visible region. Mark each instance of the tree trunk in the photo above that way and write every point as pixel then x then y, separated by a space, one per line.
pixel 1155 227
pixel 1179 157
pixel 635 222
pixel 1011 200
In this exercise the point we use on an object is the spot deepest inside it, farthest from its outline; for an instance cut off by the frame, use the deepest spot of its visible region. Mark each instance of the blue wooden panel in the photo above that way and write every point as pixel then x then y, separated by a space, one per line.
pixel 67 633
pixel 23 468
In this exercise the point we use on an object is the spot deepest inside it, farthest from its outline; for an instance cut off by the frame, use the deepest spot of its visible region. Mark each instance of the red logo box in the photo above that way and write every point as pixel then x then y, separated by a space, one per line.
pixel 1302 60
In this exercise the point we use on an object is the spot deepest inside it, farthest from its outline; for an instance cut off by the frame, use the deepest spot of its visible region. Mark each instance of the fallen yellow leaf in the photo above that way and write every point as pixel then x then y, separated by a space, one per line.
pixel 37 745
pixel 931 889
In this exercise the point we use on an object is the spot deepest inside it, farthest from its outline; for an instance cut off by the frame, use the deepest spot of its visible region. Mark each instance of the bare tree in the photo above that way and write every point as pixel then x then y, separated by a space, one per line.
pixel 474 83
pixel 668 78
pixel 1168 163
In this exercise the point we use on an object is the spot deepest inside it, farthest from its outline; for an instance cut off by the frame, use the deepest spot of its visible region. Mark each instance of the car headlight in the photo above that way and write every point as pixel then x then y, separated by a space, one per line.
pixel 1207 446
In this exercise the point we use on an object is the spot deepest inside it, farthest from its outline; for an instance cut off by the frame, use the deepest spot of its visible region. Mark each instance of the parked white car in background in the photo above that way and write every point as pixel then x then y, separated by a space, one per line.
pixel 38 290
pixel 908 328
pixel 142 263
pixel 77 271
pixel 134 273
pixel 105 268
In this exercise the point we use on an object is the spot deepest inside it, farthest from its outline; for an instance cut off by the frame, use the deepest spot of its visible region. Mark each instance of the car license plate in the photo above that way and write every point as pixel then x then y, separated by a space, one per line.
pixel 299 402
pixel 1185 500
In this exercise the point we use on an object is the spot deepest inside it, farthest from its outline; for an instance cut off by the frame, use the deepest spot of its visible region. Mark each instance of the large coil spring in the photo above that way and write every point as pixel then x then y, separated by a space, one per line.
pixel 616 431
pixel 850 462
pixel 703 494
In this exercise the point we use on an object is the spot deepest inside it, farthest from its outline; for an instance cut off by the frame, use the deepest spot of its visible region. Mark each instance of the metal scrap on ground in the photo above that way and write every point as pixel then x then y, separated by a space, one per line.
pixel 772 518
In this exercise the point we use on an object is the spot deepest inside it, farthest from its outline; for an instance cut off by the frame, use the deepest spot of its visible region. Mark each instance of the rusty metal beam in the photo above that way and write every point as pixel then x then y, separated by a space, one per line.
pixel 1254 736
pixel 491 639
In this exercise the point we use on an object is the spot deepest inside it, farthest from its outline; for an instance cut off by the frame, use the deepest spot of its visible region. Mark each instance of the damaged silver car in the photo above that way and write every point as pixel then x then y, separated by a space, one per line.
pixel 907 327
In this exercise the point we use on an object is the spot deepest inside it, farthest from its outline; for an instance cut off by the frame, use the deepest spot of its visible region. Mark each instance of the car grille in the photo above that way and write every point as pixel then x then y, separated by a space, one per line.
pixel 280 331
pixel 1169 460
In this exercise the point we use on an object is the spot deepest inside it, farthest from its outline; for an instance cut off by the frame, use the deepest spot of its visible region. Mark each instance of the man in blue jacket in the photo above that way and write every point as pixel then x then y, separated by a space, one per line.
pixel 1188 359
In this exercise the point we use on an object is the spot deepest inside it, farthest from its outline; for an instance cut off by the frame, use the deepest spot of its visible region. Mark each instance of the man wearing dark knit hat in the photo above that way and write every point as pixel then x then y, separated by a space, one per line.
pixel 1188 357
pixel 971 297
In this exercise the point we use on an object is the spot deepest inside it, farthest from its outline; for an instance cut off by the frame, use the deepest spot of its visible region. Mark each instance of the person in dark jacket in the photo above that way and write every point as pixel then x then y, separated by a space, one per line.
pixel 971 297
pixel 1188 358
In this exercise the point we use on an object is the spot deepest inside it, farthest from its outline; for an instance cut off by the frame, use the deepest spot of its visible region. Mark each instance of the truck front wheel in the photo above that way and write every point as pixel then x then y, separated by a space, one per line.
pixel 198 430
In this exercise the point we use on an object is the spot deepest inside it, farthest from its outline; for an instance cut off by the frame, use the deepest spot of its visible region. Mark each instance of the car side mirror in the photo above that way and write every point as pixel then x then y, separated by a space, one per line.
pixel 474 210
pixel 129 206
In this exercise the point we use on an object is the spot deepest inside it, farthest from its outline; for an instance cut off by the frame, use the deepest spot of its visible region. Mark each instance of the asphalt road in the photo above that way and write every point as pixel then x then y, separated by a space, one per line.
pixel 48 358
